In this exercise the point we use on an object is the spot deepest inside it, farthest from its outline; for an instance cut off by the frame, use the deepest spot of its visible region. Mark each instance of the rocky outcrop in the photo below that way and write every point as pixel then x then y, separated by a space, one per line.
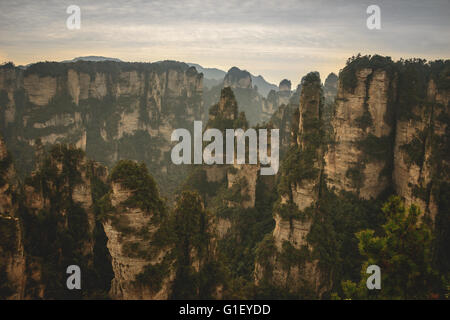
pixel 225 112
pixel 256 107
pixel 128 231
pixel 275 99
pixel 237 78
pixel 285 85
pixel 362 127
pixel 246 176
pixel 61 226
pixel 271 104
pixel 385 136
pixel 134 217
pixel 286 264
pixel 106 108
pixel 12 255
pixel 388 134
pixel 224 115
pixel 330 88
pixel 284 119
pixel 262 86
pixel 421 160
pixel 284 92
pixel 305 192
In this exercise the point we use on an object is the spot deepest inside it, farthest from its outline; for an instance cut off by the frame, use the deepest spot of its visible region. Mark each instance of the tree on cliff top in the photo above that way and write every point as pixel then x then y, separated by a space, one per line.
pixel 135 176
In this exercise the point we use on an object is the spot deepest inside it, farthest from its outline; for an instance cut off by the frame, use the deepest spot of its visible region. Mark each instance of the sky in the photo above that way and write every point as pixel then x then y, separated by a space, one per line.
pixel 276 39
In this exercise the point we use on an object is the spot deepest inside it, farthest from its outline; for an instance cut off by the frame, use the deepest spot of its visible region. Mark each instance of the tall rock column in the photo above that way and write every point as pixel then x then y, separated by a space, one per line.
pixel 421 161
pixel 12 256
pixel 358 161
pixel 141 267
pixel 282 258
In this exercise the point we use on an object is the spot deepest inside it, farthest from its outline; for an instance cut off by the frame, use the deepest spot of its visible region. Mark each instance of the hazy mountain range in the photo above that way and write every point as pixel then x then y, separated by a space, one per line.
pixel 214 76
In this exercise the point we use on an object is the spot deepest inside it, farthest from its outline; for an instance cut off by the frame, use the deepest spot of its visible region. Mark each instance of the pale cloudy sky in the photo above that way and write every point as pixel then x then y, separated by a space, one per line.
pixel 277 39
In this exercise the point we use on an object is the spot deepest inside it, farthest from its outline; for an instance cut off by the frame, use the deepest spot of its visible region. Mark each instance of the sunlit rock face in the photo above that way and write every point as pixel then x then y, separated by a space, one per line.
pixel 361 116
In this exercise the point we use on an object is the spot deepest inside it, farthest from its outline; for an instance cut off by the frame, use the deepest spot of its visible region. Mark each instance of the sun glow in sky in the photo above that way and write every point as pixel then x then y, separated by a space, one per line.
pixel 277 39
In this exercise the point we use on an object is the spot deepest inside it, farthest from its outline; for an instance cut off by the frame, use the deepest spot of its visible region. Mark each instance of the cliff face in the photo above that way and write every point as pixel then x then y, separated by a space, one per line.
pixel 59 217
pixel 284 92
pixel 330 88
pixel 225 112
pixel 284 119
pixel 236 78
pixel 270 106
pixel 115 229
pixel 12 256
pixel 308 140
pixel 105 108
pixel 285 265
pixel 247 97
pixel 421 154
pixel 391 132
pixel 361 122
pixel 224 115
pixel 128 231
pixel 246 176
pixel 387 132
pixel 283 98
pixel 283 108
pixel 256 107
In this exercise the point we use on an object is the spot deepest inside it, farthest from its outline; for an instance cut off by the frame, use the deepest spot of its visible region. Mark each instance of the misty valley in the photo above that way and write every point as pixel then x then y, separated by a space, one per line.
pixel 351 171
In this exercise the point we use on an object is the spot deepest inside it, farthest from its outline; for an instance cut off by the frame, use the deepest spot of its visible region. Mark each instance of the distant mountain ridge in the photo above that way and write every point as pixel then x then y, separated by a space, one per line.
pixel 264 87
pixel 86 58
pixel 210 73
pixel 92 58
pixel 214 76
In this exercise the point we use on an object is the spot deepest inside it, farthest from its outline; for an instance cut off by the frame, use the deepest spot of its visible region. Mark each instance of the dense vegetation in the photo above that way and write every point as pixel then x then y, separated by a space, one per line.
pixel 413 77
pixel 113 68
pixel 403 250
pixel 135 177
pixel 56 236
pixel 336 218
pixel 303 160
pixel 223 116
pixel 5 164
pixel 9 238
pixel 95 119
pixel 346 235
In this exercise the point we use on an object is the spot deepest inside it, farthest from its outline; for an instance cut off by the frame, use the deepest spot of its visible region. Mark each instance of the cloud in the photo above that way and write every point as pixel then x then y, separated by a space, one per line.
pixel 275 38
